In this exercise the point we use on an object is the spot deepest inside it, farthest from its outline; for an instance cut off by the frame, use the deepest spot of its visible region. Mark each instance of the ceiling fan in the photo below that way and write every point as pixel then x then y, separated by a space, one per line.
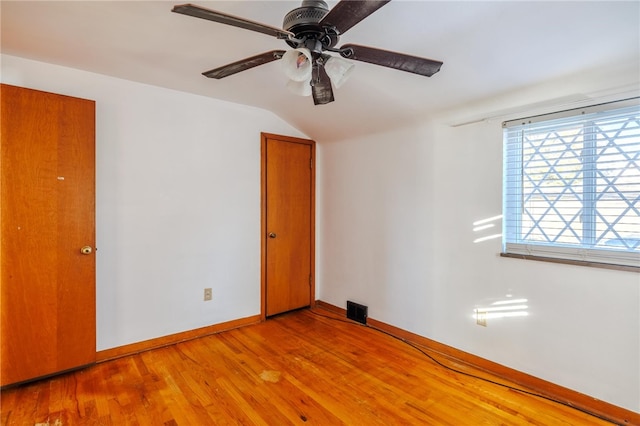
pixel 312 30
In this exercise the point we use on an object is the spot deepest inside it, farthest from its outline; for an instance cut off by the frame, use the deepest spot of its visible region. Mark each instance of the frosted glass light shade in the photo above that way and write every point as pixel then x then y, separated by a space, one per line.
pixel 300 88
pixel 338 70
pixel 297 64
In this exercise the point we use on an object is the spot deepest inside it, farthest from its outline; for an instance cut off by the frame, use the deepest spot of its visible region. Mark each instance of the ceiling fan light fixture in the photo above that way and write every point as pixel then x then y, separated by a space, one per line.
pixel 338 70
pixel 297 64
pixel 300 88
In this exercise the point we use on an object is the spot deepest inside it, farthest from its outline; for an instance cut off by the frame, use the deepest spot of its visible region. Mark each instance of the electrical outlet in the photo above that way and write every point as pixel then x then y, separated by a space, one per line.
pixel 207 294
pixel 481 318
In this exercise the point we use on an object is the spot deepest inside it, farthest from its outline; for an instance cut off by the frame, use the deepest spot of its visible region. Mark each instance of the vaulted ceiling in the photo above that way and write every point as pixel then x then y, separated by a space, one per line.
pixel 487 48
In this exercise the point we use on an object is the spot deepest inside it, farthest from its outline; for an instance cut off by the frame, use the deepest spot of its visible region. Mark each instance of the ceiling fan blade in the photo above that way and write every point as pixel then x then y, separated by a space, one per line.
pixel 385 58
pixel 244 64
pixel 223 18
pixel 348 13
pixel 321 86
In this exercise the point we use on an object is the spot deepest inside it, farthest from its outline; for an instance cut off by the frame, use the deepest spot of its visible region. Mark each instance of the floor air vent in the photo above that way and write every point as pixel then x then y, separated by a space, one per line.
pixel 357 312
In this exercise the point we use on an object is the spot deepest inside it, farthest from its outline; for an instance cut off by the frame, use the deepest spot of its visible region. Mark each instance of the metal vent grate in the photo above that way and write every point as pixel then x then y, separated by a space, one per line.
pixel 357 312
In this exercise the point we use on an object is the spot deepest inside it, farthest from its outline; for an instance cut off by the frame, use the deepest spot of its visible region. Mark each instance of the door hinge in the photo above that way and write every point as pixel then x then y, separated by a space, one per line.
pixel 310 279
pixel 311 163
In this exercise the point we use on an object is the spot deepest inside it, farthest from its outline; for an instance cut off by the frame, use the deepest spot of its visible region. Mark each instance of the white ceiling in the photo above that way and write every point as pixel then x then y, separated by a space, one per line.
pixel 487 48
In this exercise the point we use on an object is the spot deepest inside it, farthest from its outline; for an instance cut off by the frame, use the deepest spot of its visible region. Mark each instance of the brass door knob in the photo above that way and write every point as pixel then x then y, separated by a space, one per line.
pixel 86 250
pixel 272 235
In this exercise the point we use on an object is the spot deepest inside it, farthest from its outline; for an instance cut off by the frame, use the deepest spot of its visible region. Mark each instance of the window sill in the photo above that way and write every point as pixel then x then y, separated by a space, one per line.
pixel 572 262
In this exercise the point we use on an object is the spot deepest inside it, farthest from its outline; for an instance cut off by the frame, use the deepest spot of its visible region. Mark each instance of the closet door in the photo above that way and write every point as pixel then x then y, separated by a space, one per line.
pixel 47 181
pixel 288 221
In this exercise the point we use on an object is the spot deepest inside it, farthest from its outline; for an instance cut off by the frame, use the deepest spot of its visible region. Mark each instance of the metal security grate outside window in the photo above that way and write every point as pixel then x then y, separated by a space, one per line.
pixel 572 185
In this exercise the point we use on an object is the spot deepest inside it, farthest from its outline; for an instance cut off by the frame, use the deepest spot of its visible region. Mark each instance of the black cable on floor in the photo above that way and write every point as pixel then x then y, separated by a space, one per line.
pixel 419 349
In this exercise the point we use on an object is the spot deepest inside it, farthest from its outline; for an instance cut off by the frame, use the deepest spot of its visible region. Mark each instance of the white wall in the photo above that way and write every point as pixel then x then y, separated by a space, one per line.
pixel 396 218
pixel 177 202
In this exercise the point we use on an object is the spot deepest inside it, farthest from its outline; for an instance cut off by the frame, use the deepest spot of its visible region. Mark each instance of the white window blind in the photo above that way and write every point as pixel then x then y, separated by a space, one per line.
pixel 572 185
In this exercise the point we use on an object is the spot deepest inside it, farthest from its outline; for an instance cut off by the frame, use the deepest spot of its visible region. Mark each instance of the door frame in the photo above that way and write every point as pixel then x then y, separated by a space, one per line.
pixel 263 217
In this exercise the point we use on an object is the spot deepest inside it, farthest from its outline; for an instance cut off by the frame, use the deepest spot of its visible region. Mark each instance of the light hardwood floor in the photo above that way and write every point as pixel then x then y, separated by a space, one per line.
pixel 297 368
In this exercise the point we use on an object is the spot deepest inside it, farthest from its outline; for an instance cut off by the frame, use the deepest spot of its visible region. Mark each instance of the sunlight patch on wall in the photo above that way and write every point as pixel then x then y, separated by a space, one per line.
pixel 501 308
pixel 484 225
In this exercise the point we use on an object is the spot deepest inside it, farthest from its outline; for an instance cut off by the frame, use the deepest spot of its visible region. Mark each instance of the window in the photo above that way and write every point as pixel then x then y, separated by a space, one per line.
pixel 572 185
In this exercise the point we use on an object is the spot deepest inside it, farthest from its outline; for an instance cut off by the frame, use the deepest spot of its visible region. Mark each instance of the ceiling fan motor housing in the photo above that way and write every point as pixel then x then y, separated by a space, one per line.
pixel 304 22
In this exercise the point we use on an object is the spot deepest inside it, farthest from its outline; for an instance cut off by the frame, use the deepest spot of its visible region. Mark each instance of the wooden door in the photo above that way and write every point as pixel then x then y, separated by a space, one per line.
pixel 47 205
pixel 288 182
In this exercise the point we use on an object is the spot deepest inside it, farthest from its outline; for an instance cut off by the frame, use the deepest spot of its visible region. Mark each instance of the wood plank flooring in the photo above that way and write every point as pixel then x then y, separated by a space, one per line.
pixel 297 368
